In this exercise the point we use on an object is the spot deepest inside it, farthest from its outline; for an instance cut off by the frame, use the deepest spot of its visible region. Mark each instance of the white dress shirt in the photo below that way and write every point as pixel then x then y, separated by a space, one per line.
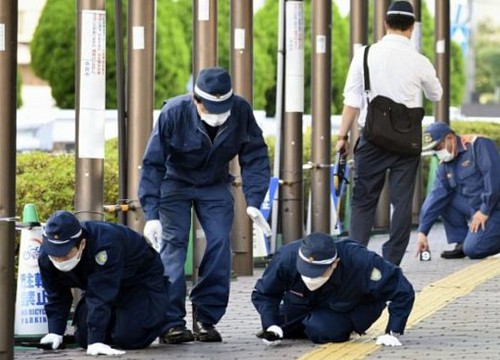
pixel 397 71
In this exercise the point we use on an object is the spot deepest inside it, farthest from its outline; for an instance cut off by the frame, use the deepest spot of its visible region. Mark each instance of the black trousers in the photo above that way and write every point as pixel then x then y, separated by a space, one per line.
pixel 371 164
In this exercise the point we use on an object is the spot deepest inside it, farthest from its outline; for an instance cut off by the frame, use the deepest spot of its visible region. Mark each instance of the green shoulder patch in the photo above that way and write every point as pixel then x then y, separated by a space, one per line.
pixel 376 275
pixel 101 257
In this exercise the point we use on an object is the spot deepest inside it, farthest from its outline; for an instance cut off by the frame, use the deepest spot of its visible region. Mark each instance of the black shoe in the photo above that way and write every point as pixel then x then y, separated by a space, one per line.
pixel 176 335
pixel 457 253
pixel 206 332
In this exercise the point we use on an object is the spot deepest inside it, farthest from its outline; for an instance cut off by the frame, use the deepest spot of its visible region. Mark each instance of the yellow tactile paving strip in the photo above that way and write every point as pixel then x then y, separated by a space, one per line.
pixel 432 298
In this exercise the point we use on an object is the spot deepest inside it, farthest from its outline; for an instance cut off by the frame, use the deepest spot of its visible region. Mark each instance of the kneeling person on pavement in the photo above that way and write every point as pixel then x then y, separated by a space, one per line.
pixel 124 290
pixel 325 289
pixel 466 193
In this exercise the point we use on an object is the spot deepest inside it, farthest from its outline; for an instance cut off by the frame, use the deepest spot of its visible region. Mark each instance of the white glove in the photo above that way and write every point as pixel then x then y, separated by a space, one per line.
pixel 55 339
pixel 152 232
pixel 272 336
pixel 102 349
pixel 259 220
pixel 388 340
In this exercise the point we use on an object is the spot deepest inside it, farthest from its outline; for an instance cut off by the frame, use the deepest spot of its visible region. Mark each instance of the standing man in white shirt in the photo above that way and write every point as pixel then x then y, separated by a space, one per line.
pixel 399 72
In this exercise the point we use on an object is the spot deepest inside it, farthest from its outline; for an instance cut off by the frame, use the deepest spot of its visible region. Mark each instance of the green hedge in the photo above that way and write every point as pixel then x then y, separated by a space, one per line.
pixel 48 180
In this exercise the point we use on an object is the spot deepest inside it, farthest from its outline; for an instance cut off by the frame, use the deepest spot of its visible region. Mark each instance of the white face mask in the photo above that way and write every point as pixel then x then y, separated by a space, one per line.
pixel 444 155
pixel 315 283
pixel 67 265
pixel 215 119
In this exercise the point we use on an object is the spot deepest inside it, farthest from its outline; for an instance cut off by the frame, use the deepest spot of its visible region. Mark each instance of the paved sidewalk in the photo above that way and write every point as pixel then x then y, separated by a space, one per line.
pixel 458 317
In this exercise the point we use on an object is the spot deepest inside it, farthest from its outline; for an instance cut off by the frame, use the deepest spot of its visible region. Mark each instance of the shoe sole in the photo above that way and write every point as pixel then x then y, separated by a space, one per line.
pixel 176 339
pixel 206 338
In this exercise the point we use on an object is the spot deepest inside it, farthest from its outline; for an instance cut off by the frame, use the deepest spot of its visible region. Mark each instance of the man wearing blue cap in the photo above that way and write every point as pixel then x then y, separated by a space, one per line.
pixel 466 193
pixel 124 290
pixel 185 167
pixel 325 289
pixel 399 72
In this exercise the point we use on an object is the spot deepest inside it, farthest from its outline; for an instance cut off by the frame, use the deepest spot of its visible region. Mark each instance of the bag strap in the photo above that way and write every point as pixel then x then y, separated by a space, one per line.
pixel 366 72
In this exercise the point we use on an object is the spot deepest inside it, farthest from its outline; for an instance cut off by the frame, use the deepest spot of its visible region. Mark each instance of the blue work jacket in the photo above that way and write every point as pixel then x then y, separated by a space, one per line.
pixel 115 259
pixel 474 175
pixel 361 277
pixel 180 153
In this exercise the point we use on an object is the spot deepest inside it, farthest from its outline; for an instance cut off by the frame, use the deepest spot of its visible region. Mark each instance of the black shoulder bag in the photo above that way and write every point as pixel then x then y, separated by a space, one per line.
pixel 391 125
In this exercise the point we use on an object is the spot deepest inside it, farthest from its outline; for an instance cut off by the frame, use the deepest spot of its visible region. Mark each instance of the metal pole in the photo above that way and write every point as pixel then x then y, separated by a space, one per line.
pixel 321 22
pixel 204 55
pixel 358 38
pixel 8 73
pixel 140 90
pixel 242 78
pixel 442 36
pixel 292 213
pixel 90 105
pixel 381 7
pixel 416 39
pixel 382 214
pixel 121 112
pixel 279 120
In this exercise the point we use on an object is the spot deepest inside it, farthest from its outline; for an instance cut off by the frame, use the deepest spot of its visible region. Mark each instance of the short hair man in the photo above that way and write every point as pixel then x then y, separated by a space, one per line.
pixel 124 290
pixel 399 72
pixel 466 193
pixel 325 289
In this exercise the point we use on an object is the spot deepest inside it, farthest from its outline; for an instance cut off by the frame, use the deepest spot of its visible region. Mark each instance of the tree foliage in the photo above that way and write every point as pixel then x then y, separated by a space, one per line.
pixel 53 52
pixel 487 49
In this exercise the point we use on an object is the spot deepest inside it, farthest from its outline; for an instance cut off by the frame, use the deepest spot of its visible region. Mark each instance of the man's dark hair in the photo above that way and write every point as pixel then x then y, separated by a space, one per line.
pixel 399 22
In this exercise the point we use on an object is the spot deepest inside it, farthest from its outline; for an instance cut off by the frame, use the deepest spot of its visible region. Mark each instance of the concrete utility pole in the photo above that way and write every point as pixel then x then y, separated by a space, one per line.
pixel 140 95
pixel 382 214
pixel 291 173
pixel 242 78
pixel 8 74
pixel 442 36
pixel 204 55
pixel 321 23
pixel 90 105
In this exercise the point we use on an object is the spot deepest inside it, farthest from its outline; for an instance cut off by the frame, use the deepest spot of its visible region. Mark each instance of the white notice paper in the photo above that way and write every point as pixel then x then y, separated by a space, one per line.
pixel 92 85
pixel 239 39
pixel 203 10
pixel 2 37
pixel 138 38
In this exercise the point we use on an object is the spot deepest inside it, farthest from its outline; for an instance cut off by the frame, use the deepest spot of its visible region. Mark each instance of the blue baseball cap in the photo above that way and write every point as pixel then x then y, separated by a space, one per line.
pixel 401 8
pixel 434 134
pixel 213 88
pixel 61 233
pixel 316 253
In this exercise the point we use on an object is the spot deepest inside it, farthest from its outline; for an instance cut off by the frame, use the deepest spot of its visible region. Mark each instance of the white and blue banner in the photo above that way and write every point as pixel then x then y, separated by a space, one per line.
pixel 260 242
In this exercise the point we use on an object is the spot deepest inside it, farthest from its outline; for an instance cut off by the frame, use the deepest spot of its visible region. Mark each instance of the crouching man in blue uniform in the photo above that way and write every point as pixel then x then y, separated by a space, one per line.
pixel 466 193
pixel 325 289
pixel 124 290
pixel 186 166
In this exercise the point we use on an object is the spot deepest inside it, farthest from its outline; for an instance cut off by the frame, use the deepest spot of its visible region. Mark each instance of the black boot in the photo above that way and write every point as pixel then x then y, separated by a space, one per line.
pixel 457 253
pixel 204 332
pixel 176 335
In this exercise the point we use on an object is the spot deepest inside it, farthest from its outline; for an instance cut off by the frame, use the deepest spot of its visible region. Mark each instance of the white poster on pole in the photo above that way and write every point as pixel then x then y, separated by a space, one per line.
pixel 92 85
pixel 294 64
pixel 2 37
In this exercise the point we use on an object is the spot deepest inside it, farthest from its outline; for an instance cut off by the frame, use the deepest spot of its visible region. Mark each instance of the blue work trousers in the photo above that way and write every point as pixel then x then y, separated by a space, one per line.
pixel 322 325
pixel 137 318
pixel 456 224
pixel 371 164
pixel 213 206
